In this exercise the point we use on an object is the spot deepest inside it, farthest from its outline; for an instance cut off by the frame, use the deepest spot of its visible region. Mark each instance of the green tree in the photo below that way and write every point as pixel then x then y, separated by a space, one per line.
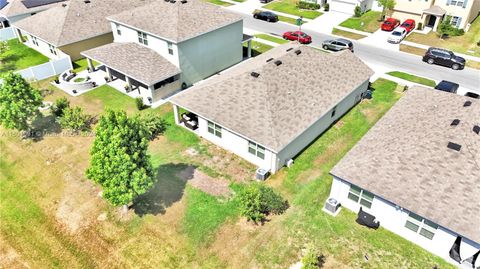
pixel 257 201
pixel 153 123
pixel 74 119
pixel 446 28
pixel 59 105
pixel 387 5
pixel 19 102
pixel 119 160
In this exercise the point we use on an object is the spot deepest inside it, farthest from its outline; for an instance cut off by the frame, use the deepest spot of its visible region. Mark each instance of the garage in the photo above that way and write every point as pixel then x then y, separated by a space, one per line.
pixel 343 6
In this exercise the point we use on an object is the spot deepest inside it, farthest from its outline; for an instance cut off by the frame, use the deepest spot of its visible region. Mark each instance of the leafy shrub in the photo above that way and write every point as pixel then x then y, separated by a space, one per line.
pixel 311 259
pixel 308 5
pixel 326 7
pixel 420 26
pixel 59 106
pixel 154 124
pixel 358 11
pixel 446 28
pixel 75 119
pixel 257 201
pixel 139 103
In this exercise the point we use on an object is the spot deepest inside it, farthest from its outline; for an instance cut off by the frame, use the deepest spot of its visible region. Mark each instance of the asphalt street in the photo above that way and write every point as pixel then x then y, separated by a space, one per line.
pixel 375 56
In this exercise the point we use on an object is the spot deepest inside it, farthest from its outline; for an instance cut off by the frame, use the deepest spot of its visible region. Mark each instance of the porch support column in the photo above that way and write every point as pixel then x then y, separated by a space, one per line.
pixel 175 114
pixel 129 83
pixel 151 89
pixel 90 65
pixel 437 21
pixel 249 49
pixel 19 35
pixel 109 73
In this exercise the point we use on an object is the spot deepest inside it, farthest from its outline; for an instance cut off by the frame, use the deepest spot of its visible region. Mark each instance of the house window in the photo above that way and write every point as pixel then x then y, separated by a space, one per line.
pixel 52 49
pixel 170 48
pixel 215 129
pixel 420 225
pixel 457 3
pixel 455 21
pixel 142 38
pixel 334 110
pixel 119 32
pixel 358 195
pixel 256 150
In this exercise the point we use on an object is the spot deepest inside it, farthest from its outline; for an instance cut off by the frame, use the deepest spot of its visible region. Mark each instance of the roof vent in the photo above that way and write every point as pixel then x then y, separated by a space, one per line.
pixel 184 1
pixel 87 1
pixel 255 74
pixel 455 122
pixel 278 62
pixel 467 103
pixel 454 146
pixel 289 49
pixel 476 129
pixel 298 52
pixel 64 5
pixel 172 1
pixel 269 60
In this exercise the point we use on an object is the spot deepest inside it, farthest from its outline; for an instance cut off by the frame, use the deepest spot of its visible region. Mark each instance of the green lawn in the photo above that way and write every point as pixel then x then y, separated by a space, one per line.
pixel 257 48
pixel 19 57
pixel 368 22
pixel 290 7
pixel 347 34
pixel 413 78
pixel 466 44
pixel 272 38
pixel 82 64
pixel 219 3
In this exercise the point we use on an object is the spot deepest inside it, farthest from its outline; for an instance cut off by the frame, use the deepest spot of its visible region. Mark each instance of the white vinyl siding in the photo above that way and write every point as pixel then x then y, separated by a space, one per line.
pixel 420 225
pixel 358 195
pixel 215 129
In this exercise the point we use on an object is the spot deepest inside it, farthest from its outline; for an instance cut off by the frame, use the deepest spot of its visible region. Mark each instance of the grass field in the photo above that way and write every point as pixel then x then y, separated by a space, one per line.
pixel 466 44
pixel 290 7
pixel 19 57
pixel 271 38
pixel 219 2
pixel 368 22
pixel 346 34
pixel 53 217
pixel 257 48
pixel 413 78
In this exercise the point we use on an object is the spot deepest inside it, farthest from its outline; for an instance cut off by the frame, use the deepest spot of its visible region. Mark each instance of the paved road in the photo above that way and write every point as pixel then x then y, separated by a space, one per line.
pixel 378 57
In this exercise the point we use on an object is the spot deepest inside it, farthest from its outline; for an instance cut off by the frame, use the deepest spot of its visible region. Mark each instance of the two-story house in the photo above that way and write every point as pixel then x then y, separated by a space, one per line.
pixel 431 12
pixel 164 46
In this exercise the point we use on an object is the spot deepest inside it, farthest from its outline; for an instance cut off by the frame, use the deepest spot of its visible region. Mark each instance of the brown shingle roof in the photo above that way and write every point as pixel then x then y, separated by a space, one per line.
pixel 77 21
pixel 404 159
pixel 284 100
pixel 134 60
pixel 16 7
pixel 177 21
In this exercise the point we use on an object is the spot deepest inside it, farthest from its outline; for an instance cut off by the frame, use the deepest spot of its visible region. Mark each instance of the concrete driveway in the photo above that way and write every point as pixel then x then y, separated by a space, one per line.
pixel 326 22
pixel 379 39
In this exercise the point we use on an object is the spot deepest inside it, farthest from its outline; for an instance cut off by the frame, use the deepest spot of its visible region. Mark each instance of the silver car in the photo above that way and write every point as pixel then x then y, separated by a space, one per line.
pixel 337 44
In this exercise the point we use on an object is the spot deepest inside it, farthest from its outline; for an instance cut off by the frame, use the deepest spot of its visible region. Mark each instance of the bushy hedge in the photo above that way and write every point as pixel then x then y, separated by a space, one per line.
pixel 75 119
pixel 59 106
pixel 326 7
pixel 357 11
pixel 257 201
pixel 154 124
pixel 308 5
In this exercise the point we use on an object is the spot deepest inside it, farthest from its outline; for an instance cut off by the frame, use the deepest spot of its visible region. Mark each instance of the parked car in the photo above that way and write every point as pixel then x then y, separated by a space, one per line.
pixel 390 24
pixel 337 44
pixel 447 86
pixel 409 25
pixel 444 57
pixel 298 36
pixel 265 1
pixel 397 35
pixel 266 16
pixel 473 95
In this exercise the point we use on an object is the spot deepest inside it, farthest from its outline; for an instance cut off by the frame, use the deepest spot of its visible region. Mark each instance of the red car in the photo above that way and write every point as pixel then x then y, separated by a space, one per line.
pixel 409 25
pixel 298 36
pixel 390 24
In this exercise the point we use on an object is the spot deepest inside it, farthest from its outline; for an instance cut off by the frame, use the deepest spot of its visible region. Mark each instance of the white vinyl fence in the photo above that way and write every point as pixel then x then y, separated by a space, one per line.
pixel 7 34
pixel 46 70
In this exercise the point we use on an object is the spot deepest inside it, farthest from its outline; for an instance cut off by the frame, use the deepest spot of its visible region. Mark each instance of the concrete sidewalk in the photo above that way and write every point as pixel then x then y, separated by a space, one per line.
pixel 326 22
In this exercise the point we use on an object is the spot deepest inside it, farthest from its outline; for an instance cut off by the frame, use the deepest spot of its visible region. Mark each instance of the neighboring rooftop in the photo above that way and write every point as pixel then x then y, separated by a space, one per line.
pixel 18 7
pixel 283 101
pixel 137 61
pixel 410 158
pixel 177 20
pixel 76 21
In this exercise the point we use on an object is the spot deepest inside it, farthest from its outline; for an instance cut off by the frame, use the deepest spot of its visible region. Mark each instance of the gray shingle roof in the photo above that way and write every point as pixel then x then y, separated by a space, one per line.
pixel 77 21
pixel 284 100
pixel 404 159
pixel 435 10
pixel 16 7
pixel 177 21
pixel 134 60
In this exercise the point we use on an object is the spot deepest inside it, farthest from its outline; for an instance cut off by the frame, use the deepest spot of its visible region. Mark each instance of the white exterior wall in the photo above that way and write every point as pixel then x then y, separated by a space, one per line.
pixel 207 54
pixel 236 144
pixel 394 219
pixel 43 46
pixel 159 45
pixel 309 135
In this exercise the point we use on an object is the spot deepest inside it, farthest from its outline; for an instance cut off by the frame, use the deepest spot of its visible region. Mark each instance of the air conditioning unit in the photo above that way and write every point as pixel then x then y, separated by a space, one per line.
pixel 262 174
pixel 332 205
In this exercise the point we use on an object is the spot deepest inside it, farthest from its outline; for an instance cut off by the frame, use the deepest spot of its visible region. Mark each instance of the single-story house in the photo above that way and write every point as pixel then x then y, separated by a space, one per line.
pixel 417 172
pixel 269 108
pixel 72 27
pixel 159 55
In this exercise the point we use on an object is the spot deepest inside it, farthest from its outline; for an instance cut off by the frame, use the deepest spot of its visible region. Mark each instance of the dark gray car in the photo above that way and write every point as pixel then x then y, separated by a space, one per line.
pixel 337 44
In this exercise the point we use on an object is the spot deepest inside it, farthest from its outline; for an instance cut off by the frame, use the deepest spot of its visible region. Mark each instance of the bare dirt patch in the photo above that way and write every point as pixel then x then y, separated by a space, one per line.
pixel 213 186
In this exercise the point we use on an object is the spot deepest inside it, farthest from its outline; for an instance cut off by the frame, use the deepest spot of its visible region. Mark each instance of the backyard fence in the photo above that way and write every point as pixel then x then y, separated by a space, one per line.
pixel 7 34
pixel 46 70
